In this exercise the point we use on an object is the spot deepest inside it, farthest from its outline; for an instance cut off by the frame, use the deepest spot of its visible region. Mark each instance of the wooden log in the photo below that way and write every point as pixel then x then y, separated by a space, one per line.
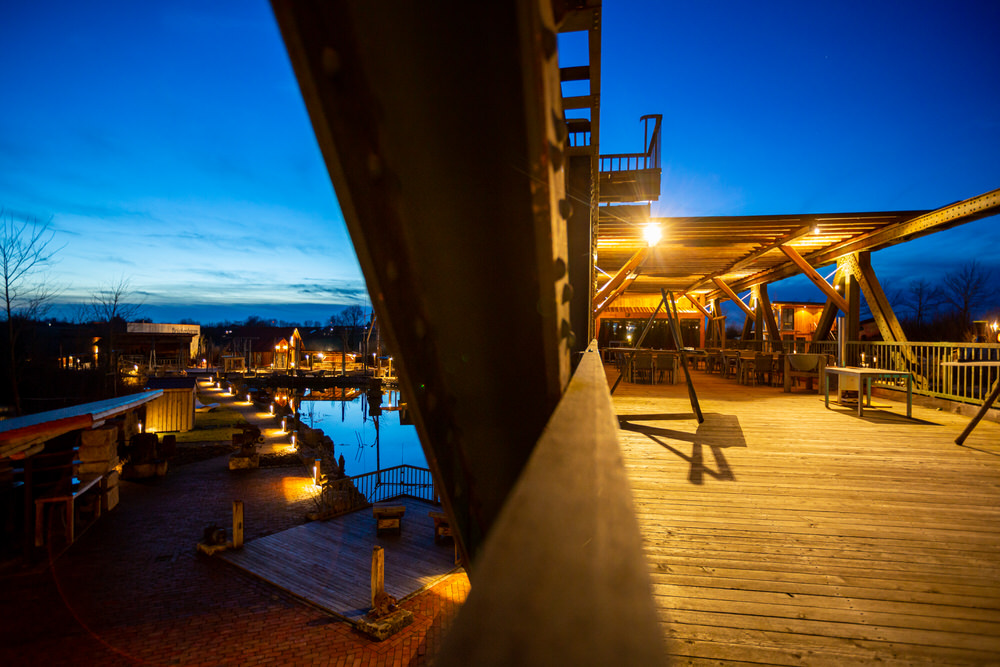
pixel 378 573
pixel 237 524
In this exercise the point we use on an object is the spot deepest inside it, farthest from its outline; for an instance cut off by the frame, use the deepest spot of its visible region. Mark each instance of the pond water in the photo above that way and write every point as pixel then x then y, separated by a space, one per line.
pixel 354 433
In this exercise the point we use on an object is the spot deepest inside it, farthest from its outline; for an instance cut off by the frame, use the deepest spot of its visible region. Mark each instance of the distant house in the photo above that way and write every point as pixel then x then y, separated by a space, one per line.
pixel 797 320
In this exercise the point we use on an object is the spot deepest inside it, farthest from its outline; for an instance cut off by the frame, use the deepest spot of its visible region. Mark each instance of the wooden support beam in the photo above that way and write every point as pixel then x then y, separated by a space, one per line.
pixel 378 574
pixel 817 279
pixel 693 302
pixel 773 332
pixel 615 294
pixel 748 323
pixel 829 314
pixel 237 524
pixel 733 295
pixel 860 266
pixel 631 265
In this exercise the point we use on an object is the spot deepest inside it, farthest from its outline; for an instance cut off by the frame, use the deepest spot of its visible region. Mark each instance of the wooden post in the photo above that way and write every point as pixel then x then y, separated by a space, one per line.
pixel 317 467
pixel 237 524
pixel 378 573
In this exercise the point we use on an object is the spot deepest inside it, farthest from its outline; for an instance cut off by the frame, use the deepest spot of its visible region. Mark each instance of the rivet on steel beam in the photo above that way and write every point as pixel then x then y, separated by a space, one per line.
pixel 559 125
pixel 567 294
pixel 560 268
pixel 566 331
pixel 565 208
pixel 549 43
pixel 556 156
pixel 331 61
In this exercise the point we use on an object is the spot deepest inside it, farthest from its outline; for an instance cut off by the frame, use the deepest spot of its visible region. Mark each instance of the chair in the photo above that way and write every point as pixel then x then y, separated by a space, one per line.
pixel 777 368
pixel 713 361
pixel 804 367
pixel 762 364
pixel 666 364
pixel 642 366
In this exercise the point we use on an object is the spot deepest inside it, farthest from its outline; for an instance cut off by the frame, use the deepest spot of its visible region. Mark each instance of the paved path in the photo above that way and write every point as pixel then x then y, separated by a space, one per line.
pixel 132 590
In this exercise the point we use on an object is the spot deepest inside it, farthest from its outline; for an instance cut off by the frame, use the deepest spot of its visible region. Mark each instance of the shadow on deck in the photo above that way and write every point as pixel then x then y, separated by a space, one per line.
pixel 328 563
pixel 780 532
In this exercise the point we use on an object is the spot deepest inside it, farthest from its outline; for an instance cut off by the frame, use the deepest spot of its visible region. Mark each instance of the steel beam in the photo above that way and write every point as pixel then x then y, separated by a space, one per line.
pixel 959 213
pixel 444 139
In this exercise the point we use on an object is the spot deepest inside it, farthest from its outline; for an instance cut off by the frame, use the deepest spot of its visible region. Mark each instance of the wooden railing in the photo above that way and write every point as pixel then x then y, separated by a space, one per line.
pixel 561 578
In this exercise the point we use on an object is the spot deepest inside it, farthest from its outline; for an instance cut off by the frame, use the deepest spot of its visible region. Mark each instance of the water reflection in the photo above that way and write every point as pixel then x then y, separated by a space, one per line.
pixel 366 443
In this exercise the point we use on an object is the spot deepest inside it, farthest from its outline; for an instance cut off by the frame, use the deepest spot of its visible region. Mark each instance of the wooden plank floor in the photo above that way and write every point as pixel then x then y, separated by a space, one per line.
pixel 328 563
pixel 779 532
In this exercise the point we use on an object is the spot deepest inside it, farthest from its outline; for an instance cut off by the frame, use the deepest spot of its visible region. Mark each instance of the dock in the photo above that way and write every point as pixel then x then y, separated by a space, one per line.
pixel 328 563
pixel 780 532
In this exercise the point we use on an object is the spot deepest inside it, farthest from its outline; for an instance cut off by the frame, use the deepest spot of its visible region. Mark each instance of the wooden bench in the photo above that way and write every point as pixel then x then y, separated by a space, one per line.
pixel 442 528
pixel 388 518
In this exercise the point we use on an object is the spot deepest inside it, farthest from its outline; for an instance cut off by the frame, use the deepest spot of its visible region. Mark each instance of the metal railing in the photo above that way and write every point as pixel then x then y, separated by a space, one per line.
pixel 649 158
pixel 404 480
pixel 968 384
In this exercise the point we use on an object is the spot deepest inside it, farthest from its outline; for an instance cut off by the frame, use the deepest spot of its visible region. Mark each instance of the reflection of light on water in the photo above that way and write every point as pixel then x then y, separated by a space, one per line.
pixel 299 488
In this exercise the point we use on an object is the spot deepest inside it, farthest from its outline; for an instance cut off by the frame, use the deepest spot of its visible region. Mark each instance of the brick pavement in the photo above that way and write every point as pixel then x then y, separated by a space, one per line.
pixel 133 591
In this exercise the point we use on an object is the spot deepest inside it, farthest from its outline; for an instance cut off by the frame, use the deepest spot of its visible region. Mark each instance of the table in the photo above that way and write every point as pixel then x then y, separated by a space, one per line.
pixel 987 404
pixel 866 375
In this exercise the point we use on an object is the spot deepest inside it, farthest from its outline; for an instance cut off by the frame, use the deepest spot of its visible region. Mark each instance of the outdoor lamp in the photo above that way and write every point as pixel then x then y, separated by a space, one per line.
pixel 652 233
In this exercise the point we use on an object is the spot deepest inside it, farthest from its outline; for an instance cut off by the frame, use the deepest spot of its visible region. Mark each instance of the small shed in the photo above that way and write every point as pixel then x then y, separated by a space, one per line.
pixel 174 411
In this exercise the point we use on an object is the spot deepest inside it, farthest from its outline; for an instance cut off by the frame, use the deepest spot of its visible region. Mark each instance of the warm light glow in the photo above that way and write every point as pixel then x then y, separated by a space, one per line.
pixel 284 424
pixel 652 233
pixel 140 428
pixel 248 399
pixel 320 356
pixel 293 439
pixel 271 408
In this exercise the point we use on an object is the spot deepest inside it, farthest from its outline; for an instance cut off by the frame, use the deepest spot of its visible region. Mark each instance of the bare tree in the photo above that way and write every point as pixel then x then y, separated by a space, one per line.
pixel 967 289
pixel 922 299
pixel 349 319
pixel 25 251
pixel 112 306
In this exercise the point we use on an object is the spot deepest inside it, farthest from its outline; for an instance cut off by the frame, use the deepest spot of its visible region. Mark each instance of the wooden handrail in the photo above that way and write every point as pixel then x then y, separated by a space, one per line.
pixel 561 578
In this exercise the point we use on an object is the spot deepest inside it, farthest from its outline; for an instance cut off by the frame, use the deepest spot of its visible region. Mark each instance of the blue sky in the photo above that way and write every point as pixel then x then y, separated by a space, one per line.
pixel 168 143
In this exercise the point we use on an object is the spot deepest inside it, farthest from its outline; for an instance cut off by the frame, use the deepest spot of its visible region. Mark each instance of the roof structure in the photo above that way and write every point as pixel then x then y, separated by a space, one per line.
pixel 744 251
pixel 20 434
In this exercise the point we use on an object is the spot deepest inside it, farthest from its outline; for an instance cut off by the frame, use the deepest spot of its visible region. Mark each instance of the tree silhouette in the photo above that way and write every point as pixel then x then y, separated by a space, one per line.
pixel 967 289
pixel 25 250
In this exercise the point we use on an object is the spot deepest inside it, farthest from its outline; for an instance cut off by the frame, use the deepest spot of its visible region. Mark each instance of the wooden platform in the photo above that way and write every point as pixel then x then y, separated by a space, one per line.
pixel 328 563
pixel 779 532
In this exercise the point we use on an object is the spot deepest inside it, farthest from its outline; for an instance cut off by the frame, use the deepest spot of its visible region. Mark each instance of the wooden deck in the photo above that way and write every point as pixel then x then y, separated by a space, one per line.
pixel 779 532
pixel 328 563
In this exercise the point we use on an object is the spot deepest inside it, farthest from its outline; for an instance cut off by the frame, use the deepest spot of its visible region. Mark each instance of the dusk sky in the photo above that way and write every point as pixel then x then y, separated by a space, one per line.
pixel 167 143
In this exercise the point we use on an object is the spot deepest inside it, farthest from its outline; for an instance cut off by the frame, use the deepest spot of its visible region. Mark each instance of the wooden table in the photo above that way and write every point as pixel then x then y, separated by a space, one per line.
pixel 987 403
pixel 866 376
pixel 69 500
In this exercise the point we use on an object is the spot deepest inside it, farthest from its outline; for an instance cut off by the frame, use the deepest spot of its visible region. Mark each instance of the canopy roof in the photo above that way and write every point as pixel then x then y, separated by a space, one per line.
pixel 744 250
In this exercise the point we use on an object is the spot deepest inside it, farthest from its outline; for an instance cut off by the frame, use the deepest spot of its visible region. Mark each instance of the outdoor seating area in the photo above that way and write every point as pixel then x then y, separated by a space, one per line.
pixel 745 366
pixel 780 532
